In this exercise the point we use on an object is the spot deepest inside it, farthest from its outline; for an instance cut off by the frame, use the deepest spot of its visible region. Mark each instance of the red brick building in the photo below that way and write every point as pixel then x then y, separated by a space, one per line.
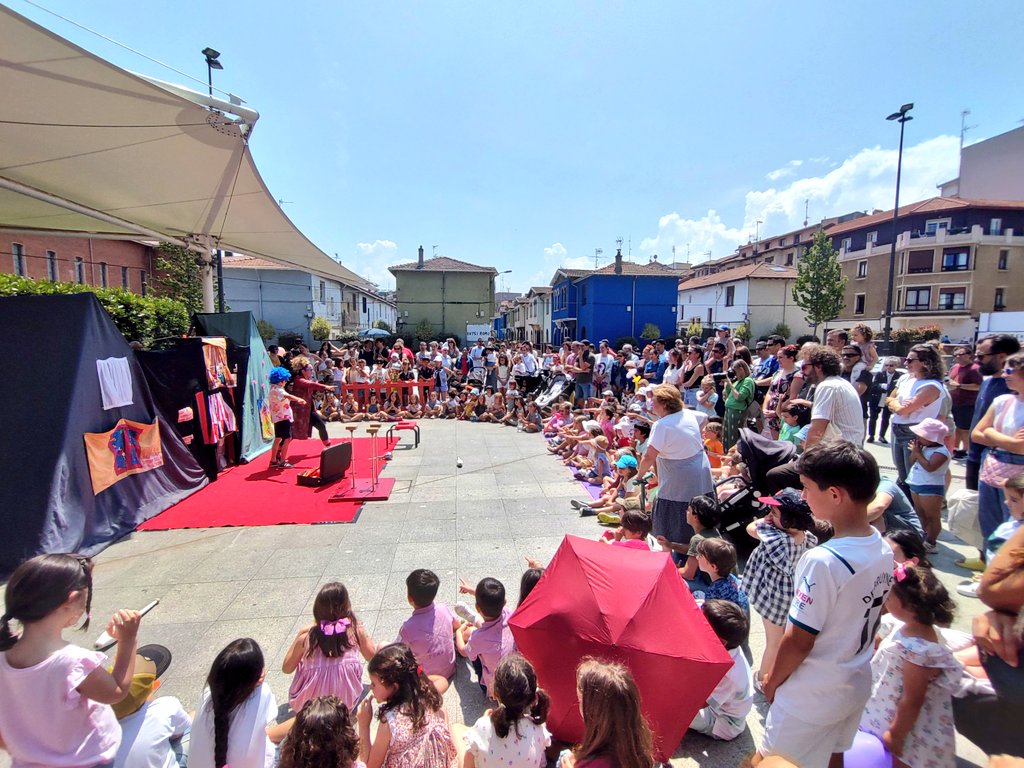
pixel 100 263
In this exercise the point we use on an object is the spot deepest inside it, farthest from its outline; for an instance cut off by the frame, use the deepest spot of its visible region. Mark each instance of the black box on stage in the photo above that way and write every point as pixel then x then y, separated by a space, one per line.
pixel 334 462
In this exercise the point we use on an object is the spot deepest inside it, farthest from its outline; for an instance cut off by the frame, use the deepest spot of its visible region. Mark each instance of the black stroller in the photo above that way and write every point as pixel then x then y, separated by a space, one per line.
pixel 552 386
pixel 760 454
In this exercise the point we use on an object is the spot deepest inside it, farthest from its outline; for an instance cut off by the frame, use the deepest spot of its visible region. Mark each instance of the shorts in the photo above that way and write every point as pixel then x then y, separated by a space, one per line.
pixel 809 745
pixel 283 429
pixel 629 502
pixel 927 490
pixel 963 415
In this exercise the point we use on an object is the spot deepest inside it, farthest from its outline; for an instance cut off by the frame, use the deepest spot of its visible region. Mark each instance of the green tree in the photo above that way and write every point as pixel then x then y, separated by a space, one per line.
pixel 819 285
pixel 179 276
pixel 695 328
pixel 320 328
pixel 267 330
pixel 650 332
pixel 742 332
pixel 782 330
pixel 424 330
pixel 383 326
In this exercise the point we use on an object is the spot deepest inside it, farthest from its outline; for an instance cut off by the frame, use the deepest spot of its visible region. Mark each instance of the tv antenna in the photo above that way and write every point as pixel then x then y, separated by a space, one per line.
pixel 807 203
pixel 597 253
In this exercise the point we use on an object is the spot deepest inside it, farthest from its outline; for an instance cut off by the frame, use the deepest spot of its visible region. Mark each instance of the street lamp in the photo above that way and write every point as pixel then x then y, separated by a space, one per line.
pixel 211 64
pixel 902 118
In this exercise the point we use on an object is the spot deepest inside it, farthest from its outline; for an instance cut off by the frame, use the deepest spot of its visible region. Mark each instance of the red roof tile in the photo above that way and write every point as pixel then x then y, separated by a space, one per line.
pixel 750 271
pixel 931 205
pixel 441 264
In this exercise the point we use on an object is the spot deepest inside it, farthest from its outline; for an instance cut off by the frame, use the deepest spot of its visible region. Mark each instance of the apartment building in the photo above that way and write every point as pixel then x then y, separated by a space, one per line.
pixel 954 260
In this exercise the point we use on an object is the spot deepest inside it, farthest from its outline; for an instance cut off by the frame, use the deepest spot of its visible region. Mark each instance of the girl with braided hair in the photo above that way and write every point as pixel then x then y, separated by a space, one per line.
pixel 230 726
pixel 412 728
pixel 56 695
pixel 512 735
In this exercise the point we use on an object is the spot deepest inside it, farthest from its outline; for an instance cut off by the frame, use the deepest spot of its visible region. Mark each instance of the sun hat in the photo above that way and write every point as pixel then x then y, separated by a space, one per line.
pixel 624 462
pixel 931 429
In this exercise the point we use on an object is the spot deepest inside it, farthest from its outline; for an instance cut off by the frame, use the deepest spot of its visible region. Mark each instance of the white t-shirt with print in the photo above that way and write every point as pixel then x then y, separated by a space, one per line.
pixel 836 399
pixel 146 734
pixel 840 587
pixel 523 751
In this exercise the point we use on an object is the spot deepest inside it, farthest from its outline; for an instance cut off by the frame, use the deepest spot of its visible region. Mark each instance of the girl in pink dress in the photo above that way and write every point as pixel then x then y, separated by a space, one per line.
pixel 56 696
pixel 412 731
pixel 325 655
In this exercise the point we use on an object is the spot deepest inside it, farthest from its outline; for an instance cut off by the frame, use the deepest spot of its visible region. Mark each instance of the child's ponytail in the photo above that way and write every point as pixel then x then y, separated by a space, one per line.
pixel 920 592
pixel 40 586
pixel 515 688
pixel 396 665
pixel 235 674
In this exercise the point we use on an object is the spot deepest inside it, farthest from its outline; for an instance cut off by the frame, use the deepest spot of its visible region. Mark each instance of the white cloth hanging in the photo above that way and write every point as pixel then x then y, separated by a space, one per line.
pixel 115 382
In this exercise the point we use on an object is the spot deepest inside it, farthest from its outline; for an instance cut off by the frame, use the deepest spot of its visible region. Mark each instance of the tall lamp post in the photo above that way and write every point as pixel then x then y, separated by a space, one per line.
pixel 902 118
pixel 212 64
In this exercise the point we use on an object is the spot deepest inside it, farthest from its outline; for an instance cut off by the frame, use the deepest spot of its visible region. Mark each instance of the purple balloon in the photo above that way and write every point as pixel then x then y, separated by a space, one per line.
pixel 867 752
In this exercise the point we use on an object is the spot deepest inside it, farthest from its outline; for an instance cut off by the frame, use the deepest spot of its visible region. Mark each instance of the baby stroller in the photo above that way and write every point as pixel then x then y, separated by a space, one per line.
pixel 761 455
pixel 552 386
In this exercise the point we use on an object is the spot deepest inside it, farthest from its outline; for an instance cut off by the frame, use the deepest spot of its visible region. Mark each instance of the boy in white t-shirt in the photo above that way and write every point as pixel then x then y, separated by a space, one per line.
pixel 821 678
pixel 725 716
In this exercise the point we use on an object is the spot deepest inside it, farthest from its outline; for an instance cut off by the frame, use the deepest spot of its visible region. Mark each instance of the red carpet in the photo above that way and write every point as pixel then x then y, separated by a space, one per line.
pixel 254 494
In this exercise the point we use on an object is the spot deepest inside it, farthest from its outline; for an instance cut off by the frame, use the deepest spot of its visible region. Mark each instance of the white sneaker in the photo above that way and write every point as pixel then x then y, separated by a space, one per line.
pixel 467 614
pixel 969 590
pixel 931 547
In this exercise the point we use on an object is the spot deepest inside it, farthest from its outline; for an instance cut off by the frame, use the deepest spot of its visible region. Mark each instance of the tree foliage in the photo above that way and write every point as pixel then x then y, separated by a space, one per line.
pixel 383 326
pixel 818 288
pixel 782 330
pixel 179 276
pixel 320 328
pixel 267 330
pixel 424 330
pixel 650 332
pixel 138 318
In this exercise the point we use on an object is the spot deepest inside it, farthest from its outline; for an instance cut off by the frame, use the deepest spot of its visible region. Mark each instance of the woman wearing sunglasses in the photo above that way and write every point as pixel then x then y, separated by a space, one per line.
pixel 918 396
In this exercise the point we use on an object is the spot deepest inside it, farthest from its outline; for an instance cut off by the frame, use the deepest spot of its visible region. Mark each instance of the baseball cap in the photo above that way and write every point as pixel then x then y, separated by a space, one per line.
pixel 151 662
pixel 723 327
pixel 635 408
pixel 624 462
pixel 785 497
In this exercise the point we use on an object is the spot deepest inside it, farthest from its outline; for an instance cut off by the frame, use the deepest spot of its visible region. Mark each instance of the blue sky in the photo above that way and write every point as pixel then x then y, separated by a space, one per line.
pixel 525 135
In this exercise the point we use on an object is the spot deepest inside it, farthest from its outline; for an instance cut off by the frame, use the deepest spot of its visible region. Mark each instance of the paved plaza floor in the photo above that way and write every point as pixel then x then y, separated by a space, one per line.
pixel 507 502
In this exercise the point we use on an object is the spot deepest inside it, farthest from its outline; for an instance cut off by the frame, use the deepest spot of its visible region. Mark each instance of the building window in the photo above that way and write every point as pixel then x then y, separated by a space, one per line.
pixel 124 277
pixel 796 238
pixel 782 242
pixel 143 282
pixel 858 304
pixel 862 269
pixel 710 316
pixel 79 270
pixel 323 292
pixel 769 259
pixel 103 274
pixel 956 259
pixel 932 226
pixel 952 298
pixel 918 299
pixel 872 238
pixel 1004 259
pixel 730 295
pixel 18 252
pixel 995 227
pixel 847 244
pixel 920 261
pixel 364 305
pixel 51 266
pixel 789 259
pixel 998 305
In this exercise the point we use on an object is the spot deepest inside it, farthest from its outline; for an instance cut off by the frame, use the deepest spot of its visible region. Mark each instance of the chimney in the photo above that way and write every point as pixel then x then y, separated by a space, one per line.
pixel 420 265
pixel 618 262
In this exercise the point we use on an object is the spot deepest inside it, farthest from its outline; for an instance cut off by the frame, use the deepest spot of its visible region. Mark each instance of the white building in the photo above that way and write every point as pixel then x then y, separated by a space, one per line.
pixel 538 315
pixel 990 170
pixel 760 295
pixel 289 298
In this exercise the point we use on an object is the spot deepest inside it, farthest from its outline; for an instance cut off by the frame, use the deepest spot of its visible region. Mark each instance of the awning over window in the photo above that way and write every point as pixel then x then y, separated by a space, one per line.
pixel 87 147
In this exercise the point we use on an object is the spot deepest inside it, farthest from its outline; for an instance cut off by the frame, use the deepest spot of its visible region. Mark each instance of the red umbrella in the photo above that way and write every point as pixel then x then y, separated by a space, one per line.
pixel 623 605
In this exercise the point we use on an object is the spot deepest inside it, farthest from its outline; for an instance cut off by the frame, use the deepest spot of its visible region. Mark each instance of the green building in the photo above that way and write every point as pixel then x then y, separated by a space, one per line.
pixel 455 297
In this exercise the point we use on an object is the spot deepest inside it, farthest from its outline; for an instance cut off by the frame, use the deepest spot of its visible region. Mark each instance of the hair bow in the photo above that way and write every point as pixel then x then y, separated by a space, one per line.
pixel 335 627
pixel 419 670
pixel 899 572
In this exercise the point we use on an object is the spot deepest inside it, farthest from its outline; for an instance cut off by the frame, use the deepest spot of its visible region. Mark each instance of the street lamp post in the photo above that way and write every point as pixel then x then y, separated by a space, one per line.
pixel 902 118
pixel 211 64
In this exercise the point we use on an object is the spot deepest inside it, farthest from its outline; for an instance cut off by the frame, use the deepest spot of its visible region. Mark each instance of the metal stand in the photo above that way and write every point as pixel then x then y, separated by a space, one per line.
pixel 372 431
pixel 351 438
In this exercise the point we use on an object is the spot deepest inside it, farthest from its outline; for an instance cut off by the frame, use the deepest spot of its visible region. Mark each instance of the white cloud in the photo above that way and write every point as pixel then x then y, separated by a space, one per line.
pixel 372 260
pixel 555 255
pixel 787 170
pixel 862 182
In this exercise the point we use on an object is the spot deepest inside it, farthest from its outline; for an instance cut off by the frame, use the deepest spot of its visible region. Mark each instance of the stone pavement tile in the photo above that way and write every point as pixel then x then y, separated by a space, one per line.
pixel 563 490
pixel 279 536
pixel 385 513
pixel 423 530
pixel 271 598
pixel 292 562
pixel 529 505
pixel 234 563
pixel 199 602
pixel 395 594
pixel 374 531
pixel 150 568
pixel 475 479
pixel 480 528
pixel 431 510
pixel 433 492
pixel 270 633
pixel 187 689
pixel 388 623
pixel 110 599
pixel 179 639
pixel 432 554
pixel 479 509
pixel 445 478
pixel 496 554
pixel 364 592
pixel 538 548
pixel 360 558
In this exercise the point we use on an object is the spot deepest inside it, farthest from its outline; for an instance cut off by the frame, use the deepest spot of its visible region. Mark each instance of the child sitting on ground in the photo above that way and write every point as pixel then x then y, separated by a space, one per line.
pixel 453 406
pixel 512 735
pixel 350 410
pixel 703 515
pixel 588 448
pixel 414 409
pixel 433 408
pixel 634 528
pixel 725 716
pixel 324 734
pixel 492 641
pixel 795 417
pixel 428 632
pixel 331 408
pixel 373 410
pixel 717 558
pixel 530 421
pixel 618 498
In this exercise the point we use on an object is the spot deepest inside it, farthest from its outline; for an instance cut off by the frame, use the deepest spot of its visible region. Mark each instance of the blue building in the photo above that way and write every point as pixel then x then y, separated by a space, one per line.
pixel 614 301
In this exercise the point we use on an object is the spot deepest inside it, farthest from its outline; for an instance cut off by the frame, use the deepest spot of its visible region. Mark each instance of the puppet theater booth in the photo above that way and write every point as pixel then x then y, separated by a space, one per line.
pixel 88 454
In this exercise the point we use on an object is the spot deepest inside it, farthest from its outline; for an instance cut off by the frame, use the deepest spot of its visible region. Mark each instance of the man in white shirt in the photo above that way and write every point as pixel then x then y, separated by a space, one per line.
pixel 837 411
pixel 821 677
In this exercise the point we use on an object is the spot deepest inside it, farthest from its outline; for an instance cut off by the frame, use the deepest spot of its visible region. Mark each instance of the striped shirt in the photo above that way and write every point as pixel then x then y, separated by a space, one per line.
pixel 836 399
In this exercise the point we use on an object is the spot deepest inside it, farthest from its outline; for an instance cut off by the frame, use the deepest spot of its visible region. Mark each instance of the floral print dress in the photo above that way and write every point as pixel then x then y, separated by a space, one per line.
pixel 931 742
pixel 427 747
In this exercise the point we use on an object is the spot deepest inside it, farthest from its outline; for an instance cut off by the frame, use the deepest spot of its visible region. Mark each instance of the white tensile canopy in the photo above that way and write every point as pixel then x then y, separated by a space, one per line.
pixel 89 148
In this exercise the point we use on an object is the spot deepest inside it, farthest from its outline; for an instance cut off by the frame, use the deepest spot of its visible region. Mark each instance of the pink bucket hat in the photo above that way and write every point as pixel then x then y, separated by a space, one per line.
pixel 931 429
